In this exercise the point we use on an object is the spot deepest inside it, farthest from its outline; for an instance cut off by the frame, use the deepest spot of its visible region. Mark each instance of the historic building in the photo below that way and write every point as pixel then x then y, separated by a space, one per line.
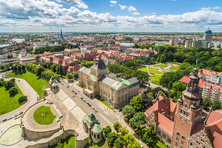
pixel 68 64
pixel 210 83
pixel 92 126
pixel 97 81
pixel 181 124
pixel 53 83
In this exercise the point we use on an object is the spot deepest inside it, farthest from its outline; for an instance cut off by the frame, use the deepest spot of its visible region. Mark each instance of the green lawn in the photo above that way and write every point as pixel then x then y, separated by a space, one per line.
pixel 156 74
pixel 9 103
pixel 174 68
pixel 37 84
pixel 102 144
pixel 161 65
pixel 69 142
pixel 160 145
pixel 157 82
pixel 47 118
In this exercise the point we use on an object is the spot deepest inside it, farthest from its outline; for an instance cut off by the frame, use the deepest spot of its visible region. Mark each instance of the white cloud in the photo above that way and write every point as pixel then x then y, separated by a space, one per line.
pixel 131 8
pixel 111 5
pixel 113 2
pixel 136 13
pixel 122 7
pixel 210 8
pixel 77 3
pixel 44 15
pixel 153 13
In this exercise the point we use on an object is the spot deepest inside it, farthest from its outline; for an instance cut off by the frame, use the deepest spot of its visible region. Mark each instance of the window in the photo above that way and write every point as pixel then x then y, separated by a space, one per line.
pixel 183 137
pixel 94 135
pixel 97 136
pixel 178 133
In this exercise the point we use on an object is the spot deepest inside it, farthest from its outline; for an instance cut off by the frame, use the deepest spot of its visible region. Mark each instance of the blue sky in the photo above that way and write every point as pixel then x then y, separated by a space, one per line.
pixel 114 15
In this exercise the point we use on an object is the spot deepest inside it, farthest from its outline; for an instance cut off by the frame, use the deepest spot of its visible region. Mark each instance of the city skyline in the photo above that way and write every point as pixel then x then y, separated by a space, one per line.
pixel 109 16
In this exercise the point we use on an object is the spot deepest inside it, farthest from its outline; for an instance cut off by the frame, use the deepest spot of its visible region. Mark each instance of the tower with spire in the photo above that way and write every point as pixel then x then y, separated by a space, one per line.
pixel 61 35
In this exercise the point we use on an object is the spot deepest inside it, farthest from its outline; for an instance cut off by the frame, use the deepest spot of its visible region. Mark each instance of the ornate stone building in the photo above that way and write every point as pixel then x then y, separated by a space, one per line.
pixel 97 81
pixel 53 83
pixel 181 125
pixel 91 124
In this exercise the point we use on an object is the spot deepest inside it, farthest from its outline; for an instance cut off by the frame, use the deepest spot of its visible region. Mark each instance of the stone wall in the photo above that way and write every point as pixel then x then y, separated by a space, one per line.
pixel 81 143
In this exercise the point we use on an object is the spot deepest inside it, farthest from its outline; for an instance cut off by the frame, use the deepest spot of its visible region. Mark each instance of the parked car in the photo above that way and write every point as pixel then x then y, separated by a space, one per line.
pixel 81 98
pixel 15 115
pixel 73 91
pixel 120 110
pixel 4 120
pixel 89 105
pixel 76 93
pixel 84 100
pixel 20 113
pixel 96 111
pixel 9 118
pixel 93 108
pixel 67 86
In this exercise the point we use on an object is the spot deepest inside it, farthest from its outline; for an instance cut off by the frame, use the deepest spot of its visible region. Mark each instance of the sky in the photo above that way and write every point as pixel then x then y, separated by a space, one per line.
pixel 110 16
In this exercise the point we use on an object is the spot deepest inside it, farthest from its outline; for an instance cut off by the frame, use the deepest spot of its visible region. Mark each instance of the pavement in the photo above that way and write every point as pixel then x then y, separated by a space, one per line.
pixel 106 115
pixel 28 91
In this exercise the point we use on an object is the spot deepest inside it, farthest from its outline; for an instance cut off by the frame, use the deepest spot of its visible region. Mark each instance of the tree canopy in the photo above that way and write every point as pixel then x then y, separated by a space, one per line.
pixel 137 103
pixel 137 120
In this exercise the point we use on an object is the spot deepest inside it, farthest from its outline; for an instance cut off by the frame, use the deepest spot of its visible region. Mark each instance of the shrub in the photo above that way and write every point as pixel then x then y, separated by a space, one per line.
pixel 22 99
pixel 126 119
pixel 90 141
pixel 13 91
pixel 9 84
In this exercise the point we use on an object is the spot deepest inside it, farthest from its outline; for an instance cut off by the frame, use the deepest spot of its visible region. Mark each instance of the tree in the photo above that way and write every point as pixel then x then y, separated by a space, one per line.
pixel 70 76
pixel 137 103
pixel 9 84
pixel 128 111
pixel 22 99
pixel 112 137
pixel 59 70
pixel 87 64
pixel 2 83
pixel 137 120
pixel 19 67
pixel 76 75
pixel 107 130
pixel 23 67
pixel 150 137
pixel 90 141
pixel 53 67
pixel 216 104
pixel 118 144
pixel 39 70
pixel 178 86
pixel 147 102
pixel 117 126
pixel 207 102
pixel 13 91
pixel 156 90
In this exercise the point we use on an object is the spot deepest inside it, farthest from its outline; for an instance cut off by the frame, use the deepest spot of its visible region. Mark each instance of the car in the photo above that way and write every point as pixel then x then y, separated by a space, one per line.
pixel 89 105
pixel 84 100
pixel 20 113
pixel 73 91
pixel 95 110
pixel 120 110
pixel 15 115
pixel 67 86
pixel 4 120
pixel 92 107
pixel 9 118
pixel 81 98
pixel 76 93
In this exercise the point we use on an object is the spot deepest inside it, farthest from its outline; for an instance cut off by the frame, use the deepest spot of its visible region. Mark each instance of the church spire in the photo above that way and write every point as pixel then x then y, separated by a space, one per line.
pixel 61 35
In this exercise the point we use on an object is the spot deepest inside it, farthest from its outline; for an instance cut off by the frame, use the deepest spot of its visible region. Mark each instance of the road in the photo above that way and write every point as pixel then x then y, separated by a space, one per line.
pixel 102 113
pixel 28 91
pixel 104 117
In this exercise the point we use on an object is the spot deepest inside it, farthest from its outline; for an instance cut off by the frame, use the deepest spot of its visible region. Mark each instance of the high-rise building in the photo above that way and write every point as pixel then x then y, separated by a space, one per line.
pixel 208 35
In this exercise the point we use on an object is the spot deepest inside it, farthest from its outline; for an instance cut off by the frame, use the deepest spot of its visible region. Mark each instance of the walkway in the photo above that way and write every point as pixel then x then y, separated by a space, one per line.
pixel 28 91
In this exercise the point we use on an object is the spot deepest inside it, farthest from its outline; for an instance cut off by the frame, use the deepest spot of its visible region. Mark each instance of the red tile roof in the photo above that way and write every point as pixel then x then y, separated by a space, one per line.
pixel 166 124
pixel 186 79
pixel 213 117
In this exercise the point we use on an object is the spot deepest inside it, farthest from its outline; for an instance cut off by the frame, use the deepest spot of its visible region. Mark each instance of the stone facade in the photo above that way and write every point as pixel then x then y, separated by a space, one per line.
pixel 97 81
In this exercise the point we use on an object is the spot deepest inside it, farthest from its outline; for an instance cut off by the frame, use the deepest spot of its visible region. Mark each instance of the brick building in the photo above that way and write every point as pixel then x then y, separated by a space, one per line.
pixel 181 124
pixel 69 64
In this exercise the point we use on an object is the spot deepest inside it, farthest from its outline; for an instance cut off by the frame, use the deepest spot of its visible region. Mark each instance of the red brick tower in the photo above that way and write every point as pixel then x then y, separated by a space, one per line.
pixel 188 112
